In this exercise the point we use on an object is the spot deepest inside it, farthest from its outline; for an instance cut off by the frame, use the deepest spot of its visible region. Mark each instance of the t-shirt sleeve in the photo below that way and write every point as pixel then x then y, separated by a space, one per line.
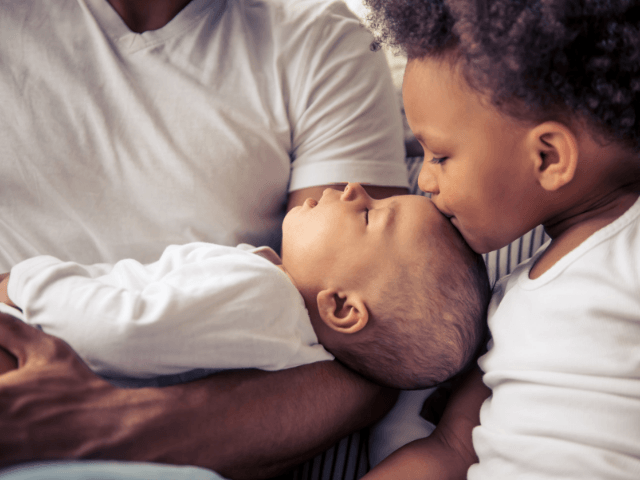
pixel 346 123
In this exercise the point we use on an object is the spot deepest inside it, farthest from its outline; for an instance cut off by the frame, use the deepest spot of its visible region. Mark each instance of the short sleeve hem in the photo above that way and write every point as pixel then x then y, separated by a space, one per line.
pixel 341 171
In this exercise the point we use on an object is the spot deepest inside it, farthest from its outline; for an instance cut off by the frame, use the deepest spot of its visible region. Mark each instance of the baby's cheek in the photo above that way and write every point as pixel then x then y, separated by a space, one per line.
pixel 7 361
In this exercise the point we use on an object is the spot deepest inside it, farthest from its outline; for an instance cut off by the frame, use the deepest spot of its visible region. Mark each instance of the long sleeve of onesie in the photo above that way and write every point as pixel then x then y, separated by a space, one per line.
pixel 199 306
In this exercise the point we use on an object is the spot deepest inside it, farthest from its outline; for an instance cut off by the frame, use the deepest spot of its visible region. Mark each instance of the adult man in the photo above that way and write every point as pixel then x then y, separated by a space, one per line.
pixel 130 125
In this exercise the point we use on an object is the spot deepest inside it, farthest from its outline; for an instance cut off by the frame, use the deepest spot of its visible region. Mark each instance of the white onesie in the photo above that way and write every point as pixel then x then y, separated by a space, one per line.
pixel 564 366
pixel 199 309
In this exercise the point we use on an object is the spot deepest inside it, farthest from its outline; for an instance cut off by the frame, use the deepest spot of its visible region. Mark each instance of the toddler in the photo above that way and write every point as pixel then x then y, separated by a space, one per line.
pixel 529 113
pixel 387 286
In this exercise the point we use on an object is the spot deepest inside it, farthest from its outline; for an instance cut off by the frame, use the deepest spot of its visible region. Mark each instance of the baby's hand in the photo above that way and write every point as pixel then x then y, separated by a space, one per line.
pixel 7 361
pixel 4 296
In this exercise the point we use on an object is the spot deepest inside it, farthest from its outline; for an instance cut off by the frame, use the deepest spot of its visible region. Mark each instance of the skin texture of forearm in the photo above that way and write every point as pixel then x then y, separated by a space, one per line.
pixel 243 424
pixel 253 424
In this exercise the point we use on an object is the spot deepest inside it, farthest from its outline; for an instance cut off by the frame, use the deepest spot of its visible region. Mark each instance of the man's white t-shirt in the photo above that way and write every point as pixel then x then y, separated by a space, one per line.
pixel 115 144
pixel 198 309
pixel 564 365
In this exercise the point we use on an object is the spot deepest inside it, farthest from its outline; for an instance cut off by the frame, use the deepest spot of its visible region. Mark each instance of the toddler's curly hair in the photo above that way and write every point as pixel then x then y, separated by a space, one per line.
pixel 535 59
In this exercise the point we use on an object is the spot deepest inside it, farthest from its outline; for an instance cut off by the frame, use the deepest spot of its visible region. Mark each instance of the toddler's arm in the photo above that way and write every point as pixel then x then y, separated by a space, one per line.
pixel 448 452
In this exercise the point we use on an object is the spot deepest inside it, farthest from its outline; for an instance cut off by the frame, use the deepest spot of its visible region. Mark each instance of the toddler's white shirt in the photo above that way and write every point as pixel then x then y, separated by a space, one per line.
pixel 564 366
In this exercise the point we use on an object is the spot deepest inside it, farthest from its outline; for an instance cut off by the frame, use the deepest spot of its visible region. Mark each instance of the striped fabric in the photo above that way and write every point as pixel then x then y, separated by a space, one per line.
pixel 348 459
pixel 345 461
pixel 502 262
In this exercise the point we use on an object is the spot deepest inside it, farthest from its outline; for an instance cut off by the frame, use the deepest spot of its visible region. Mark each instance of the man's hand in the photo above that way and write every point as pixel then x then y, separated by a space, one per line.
pixel 49 385
pixel 7 361
pixel 242 424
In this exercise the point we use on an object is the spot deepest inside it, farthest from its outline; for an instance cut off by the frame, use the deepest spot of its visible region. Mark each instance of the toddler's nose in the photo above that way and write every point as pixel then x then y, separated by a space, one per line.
pixel 427 181
pixel 353 191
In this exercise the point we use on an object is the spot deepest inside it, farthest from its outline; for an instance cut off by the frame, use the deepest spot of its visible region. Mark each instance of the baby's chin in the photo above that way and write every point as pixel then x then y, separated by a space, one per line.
pixel 7 361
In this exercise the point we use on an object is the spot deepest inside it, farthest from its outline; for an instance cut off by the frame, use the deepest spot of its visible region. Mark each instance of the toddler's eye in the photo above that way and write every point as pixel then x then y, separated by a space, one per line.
pixel 366 216
pixel 438 160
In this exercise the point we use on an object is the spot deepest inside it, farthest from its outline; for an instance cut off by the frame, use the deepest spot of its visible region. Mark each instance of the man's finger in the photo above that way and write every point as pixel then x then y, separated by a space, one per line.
pixel 35 349
pixel 7 361
pixel 19 338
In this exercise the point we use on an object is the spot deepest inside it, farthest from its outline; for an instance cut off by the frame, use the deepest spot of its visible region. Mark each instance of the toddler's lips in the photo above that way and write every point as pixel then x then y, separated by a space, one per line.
pixel 452 219
pixel 447 214
pixel 310 202
pixel 455 223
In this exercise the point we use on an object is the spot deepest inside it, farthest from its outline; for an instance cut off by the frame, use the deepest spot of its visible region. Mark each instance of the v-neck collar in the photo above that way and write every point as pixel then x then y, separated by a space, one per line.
pixel 123 38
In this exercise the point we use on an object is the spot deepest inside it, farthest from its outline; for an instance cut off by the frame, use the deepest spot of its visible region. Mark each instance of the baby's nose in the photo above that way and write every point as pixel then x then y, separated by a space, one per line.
pixel 352 191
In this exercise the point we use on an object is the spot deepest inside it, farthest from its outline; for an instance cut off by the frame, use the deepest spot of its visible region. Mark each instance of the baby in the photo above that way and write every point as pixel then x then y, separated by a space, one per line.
pixel 387 286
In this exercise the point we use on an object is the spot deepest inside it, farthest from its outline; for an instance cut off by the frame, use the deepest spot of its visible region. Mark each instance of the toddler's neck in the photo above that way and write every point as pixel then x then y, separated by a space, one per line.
pixel 574 230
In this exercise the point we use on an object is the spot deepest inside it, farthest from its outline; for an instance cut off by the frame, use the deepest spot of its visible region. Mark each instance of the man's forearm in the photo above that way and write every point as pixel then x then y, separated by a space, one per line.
pixel 253 424
pixel 243 424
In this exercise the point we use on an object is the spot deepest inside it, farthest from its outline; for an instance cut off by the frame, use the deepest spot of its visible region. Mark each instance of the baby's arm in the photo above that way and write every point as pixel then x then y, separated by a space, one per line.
pixel 448 452
pixel 201 305
pixel 86 306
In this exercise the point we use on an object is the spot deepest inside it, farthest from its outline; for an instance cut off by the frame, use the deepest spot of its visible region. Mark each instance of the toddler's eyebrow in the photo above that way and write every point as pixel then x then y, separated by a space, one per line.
pixel 433 138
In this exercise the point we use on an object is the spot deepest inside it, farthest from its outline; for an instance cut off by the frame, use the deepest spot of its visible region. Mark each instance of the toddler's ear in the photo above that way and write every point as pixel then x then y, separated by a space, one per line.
pixel 554 149
pixel 344 313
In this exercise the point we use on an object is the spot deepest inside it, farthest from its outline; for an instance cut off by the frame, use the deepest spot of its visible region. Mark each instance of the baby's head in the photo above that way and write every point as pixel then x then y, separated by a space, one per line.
pixel 392 289
pixel 528 111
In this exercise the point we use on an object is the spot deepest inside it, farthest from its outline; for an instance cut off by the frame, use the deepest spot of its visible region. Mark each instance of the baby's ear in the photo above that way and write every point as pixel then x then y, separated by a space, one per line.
pixel 554 150
pixel 344 313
